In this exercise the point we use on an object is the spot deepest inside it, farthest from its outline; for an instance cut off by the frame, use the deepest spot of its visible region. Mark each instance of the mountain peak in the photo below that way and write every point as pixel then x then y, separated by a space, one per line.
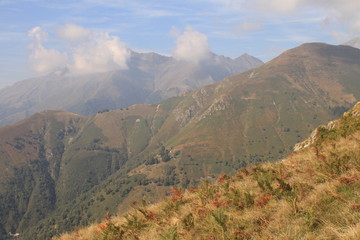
pixel 323 50
pixel 245 55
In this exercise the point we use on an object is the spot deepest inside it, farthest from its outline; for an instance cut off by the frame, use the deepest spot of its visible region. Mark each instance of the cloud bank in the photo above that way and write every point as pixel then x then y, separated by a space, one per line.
pixel 73 32
pixel 102 53
pixel 345 12
pixel 42 59
pixel 88 51
pixel 191 46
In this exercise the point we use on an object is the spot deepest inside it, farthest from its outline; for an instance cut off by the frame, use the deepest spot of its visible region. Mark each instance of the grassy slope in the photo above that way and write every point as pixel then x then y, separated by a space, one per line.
pixel 282 100
pixel 312 194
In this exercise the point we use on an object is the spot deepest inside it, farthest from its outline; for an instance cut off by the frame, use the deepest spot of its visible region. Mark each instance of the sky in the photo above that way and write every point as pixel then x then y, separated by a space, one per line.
pixel 41 36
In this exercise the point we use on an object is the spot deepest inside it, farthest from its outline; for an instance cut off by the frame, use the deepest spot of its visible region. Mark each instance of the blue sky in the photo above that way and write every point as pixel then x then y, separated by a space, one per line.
pixel 262 28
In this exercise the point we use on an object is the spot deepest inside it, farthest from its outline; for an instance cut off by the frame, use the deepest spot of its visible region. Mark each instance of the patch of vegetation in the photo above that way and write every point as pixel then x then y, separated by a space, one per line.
pixel 346 126
pixel 139 136
pixel 104 111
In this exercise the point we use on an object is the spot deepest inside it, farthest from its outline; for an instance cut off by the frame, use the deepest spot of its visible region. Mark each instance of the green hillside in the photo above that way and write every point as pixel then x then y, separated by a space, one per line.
pixel 312 194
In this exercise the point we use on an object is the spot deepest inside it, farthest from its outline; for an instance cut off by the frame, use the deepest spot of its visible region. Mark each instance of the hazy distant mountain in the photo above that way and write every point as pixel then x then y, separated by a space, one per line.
pixel 86 166
pixel 355 42
pixel 149 79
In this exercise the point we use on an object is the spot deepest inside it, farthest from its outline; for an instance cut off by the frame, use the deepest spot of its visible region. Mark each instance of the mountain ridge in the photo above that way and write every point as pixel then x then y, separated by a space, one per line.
pixel 150 78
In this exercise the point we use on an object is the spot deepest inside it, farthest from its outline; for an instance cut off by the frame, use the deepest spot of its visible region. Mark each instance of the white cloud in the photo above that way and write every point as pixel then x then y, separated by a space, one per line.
pixel 38 35
pixel 90 52
pixel 191 46
pixel 42 59
pixel 73 33
pixel 346 12
pixel 100 54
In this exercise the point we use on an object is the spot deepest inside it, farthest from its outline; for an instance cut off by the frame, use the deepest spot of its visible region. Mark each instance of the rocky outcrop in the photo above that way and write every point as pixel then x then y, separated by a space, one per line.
pixel 354 112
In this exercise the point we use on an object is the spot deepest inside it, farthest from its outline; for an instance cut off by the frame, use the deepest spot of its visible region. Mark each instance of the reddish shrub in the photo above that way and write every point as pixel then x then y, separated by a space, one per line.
pixel 151 215
pixel 103 225
pixel 241 234
pixel 193 189
pixel 222 178
pixel 263 221
pixel 202 212
pixel 346 180
pixel 262 200
pixel 217 203
pixel 176 195
pixel 355 207
pixel 240 175
pixel 107 216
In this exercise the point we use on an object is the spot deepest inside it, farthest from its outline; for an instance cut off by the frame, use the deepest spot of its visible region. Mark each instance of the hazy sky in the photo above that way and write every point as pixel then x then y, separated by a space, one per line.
pixel 39 36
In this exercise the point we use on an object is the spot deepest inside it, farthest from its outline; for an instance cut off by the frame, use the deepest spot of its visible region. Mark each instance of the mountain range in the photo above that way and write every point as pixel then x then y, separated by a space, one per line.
pixel 85 166
pixel 150 77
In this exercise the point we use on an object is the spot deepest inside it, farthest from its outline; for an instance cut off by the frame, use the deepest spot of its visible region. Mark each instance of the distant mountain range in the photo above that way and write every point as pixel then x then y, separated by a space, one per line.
pixel 150 78
pixel 85 166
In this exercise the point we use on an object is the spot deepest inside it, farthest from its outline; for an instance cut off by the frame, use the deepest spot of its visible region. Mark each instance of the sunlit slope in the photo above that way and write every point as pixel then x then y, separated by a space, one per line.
pixel 260 114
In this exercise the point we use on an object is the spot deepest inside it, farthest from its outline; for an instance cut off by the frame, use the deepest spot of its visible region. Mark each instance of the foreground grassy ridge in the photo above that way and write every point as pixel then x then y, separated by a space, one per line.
pixel 313 194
